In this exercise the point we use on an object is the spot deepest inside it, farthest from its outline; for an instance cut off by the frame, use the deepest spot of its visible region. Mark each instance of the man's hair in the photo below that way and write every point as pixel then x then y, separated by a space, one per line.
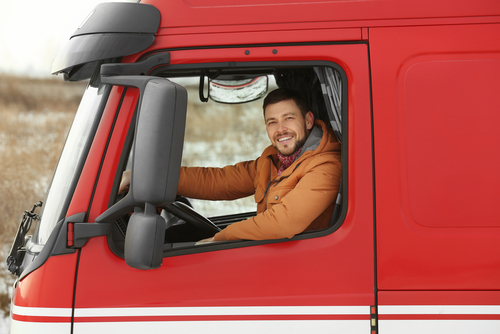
pixel 285 94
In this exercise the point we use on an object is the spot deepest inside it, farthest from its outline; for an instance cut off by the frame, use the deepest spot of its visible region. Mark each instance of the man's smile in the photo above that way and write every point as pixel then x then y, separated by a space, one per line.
pixel 282 139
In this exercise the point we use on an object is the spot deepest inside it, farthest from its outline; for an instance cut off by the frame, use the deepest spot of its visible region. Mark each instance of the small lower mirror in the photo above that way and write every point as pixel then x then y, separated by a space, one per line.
pixel 144 240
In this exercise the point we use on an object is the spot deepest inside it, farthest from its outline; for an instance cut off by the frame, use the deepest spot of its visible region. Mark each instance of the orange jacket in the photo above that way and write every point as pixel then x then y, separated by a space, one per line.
pixel 301 199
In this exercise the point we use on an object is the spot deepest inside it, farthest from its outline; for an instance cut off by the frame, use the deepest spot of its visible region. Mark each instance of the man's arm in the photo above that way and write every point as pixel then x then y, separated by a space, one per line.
pixel 227 183
pixel 312 195
pixel 230 182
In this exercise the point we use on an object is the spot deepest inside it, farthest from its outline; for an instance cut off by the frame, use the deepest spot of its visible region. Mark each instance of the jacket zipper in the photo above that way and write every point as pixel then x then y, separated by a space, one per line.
pixel 277 181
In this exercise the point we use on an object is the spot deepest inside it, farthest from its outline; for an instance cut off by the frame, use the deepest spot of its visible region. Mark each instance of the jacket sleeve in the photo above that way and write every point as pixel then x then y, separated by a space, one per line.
pixel 227 183
pixel 312 195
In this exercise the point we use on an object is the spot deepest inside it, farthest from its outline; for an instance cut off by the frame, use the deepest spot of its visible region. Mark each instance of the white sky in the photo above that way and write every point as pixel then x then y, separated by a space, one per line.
pixel 33 31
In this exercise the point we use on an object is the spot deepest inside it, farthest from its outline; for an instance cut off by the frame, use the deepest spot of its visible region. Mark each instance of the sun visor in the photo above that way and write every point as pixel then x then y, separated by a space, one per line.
pixel 112 30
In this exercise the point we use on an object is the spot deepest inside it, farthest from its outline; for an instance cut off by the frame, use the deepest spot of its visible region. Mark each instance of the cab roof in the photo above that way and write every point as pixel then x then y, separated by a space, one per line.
pixel 231 14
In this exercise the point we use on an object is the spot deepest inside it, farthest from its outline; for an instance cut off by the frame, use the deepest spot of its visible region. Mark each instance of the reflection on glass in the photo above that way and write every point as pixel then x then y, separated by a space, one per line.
pixel 72 153
pixel 238 91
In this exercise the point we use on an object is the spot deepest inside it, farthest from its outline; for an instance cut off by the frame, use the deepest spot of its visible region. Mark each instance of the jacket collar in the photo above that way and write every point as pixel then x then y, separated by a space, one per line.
pixel 312 142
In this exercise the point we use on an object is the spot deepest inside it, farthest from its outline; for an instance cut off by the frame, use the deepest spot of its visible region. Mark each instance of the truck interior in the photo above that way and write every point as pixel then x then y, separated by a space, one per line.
pixel 224 126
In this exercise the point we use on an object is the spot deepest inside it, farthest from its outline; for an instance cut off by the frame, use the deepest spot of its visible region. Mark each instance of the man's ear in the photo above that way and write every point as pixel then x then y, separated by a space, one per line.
pixel 309 118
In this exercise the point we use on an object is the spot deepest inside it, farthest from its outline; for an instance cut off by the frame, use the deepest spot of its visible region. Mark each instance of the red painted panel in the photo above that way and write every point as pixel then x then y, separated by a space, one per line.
pixel 435 142
pixel 203 15
pixel 52 285
pixel 195 39
pixel 439 298
pixel 113 150
pixel 450 139
pixel 86 183
pixel 333 270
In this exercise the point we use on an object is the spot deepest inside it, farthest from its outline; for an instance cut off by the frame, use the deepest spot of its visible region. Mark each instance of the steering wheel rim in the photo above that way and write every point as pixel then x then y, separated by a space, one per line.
pixel 192 217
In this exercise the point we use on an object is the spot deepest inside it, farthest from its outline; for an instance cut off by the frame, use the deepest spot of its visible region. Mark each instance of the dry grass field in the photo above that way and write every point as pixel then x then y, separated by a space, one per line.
pixel 35 116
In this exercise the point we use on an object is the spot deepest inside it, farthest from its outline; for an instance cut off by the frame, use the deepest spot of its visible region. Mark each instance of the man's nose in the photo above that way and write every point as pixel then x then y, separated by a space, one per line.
pixel 281 127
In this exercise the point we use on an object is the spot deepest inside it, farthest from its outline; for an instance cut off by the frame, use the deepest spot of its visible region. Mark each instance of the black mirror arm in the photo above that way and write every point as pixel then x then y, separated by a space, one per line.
pixel 124 206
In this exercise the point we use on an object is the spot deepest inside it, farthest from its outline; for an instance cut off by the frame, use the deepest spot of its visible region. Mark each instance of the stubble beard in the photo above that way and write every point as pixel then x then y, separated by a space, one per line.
pixel 297 146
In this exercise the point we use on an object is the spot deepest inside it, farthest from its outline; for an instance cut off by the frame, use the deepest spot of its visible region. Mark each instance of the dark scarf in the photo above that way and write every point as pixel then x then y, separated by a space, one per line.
pixel 287 160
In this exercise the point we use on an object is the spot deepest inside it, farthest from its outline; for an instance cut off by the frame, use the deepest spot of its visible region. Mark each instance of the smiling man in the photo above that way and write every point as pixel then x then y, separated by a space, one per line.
pixel 295 181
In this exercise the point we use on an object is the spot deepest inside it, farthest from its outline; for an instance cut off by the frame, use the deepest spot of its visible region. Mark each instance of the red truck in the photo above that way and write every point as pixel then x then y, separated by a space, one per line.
pixel 411 89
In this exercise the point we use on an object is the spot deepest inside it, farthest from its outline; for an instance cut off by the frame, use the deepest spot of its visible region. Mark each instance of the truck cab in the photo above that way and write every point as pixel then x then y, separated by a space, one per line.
pixel 408 88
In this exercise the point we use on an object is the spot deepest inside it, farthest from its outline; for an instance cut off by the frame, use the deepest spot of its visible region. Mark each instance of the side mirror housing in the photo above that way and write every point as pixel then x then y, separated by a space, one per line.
pixel 157 154
pixel 144 239
pixel 158 144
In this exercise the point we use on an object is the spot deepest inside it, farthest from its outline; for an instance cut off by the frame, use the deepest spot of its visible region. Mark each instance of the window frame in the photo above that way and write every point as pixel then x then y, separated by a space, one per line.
pixel 193 249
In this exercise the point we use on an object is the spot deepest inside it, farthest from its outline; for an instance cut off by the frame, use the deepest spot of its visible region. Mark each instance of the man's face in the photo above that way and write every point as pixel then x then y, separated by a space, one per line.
pixel 286 127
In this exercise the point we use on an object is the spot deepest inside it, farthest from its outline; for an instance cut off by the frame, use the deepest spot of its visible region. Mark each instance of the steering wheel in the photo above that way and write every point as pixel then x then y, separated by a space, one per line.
pixel 198 224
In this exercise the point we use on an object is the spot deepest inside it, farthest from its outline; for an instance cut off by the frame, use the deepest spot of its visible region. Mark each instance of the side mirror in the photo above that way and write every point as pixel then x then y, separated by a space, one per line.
pixel 145 238
pixel 157 154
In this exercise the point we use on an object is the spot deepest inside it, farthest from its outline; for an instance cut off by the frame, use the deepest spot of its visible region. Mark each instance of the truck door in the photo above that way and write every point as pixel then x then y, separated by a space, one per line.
pixel 320 281
pixel 435 110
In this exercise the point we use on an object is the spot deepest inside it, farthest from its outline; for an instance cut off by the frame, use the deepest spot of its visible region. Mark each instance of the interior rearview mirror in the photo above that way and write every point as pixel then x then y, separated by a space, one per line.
pixel 238 90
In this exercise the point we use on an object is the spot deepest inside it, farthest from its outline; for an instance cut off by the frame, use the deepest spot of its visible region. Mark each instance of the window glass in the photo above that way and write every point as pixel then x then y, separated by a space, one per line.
pixel 62 184
pixel 218 135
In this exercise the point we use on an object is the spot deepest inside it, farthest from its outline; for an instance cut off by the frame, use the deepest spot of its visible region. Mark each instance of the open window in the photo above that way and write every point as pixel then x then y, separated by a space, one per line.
pixel 219 134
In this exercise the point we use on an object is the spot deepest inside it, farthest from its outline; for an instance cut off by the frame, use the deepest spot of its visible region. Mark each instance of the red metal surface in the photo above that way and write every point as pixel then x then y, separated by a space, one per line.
pixel 52 285
pixel 436 161
pixel 85 186
pixel 113 149
pixel 439 298
pixel 200 15
pixel 333 270
pixel 452 305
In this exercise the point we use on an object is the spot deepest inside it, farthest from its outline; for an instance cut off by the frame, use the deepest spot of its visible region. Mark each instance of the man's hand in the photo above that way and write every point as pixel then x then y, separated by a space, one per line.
pixel 205 241
pixel 125 183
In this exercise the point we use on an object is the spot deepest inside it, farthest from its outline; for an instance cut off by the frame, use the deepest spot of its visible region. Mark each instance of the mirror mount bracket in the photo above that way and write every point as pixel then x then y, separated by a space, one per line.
pixel 142 67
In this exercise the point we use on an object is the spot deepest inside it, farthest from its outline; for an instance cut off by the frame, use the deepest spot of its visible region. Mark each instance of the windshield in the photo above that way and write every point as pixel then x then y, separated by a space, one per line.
pixel 70 162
